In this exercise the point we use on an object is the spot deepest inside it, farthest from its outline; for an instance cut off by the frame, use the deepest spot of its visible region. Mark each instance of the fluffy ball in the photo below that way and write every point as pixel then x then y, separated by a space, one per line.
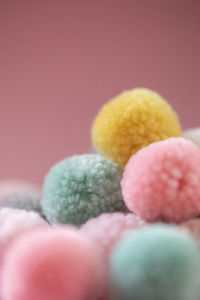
pixel 107 229
pixel 193 135
pixel 161 181
pixel 130 121
pixel 14 187
pixel 27 201
pixel 51 264
pixel 155 262
pixel 14 222
pixel 193 227
pixel 81 187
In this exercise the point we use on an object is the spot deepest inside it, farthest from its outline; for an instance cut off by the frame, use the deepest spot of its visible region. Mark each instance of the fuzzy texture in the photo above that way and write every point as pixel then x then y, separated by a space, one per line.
pixel 107 229
pixel 14 222
pixel 27 201
pixel 193 227
pixel 14 187
pixel 154 263
pixel 51 264
pixel 193 135
pixel 161 181
pixel 130 121
pixel 81 187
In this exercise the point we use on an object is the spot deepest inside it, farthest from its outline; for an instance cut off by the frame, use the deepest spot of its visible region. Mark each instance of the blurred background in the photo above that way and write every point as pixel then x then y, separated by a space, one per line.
pixel 61 60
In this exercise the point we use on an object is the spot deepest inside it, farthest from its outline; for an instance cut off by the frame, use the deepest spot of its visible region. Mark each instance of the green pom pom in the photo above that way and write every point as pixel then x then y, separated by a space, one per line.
pixel 154 263
pixel 81 187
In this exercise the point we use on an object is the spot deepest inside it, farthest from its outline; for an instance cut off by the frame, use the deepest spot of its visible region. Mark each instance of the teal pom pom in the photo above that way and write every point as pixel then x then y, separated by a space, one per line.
pixel 81 187
pixel 154 263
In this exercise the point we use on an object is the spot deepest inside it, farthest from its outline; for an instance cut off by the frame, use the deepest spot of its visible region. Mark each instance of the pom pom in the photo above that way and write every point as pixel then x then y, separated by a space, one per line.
pixel 193 227
pixel 193 135
pixel 161 181
pixel 130 121
pixel 26 201
pixel 14 187
pixel 154 263
pixel 51 264
pixel 107 229
pixel 81 187
pixel 13 222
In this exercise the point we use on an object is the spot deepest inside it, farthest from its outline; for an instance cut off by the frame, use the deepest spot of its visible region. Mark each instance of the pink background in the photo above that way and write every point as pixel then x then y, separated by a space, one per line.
pixel 61 60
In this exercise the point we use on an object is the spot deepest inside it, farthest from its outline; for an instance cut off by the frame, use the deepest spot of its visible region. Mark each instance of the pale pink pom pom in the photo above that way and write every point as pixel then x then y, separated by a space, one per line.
pixel 14 187
pixel 51 264
pixel 161 181
pixel 193 227
pixel 107 229
pixel 14 222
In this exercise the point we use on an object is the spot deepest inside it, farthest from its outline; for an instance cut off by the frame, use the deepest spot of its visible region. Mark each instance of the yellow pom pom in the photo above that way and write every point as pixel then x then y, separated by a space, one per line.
pixel 130 121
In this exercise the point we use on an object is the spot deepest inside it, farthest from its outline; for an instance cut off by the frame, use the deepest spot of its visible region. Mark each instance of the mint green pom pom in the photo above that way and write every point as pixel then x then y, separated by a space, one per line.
pixel 157 262
pixel 81 187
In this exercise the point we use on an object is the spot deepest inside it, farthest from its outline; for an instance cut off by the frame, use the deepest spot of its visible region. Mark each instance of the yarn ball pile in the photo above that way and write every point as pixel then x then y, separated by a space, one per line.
pixel 122 223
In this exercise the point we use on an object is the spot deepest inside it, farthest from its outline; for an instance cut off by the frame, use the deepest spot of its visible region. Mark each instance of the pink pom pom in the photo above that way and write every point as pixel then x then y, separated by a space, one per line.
pixel 193 227
pixel 50 264
pixel 107 229
pixel 161 181
pixel 13 187
pixel 14 222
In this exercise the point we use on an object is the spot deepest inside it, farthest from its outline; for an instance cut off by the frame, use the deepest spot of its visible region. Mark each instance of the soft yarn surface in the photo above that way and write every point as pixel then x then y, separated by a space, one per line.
pixel 193 227
pixel 154 263
pixel 28 201
pixel 81 187
pixel 161 181
pixel 130 121
pixel 51 264
pixel 14 222
pixel 11 187
pixel 193 135
pixel 107 229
